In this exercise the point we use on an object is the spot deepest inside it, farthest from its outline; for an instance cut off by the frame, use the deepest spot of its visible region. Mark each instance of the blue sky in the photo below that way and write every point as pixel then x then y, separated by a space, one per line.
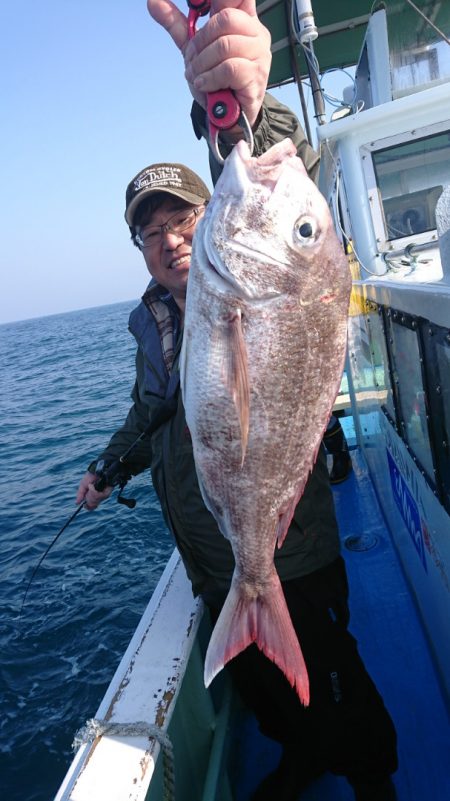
pixel 91 92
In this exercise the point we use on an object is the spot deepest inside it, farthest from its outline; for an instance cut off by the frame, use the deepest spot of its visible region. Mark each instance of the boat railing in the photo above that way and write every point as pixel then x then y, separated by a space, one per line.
pixel 178 728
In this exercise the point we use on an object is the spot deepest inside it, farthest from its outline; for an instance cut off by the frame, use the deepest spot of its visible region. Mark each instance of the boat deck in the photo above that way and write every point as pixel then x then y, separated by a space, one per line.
pixel 385 621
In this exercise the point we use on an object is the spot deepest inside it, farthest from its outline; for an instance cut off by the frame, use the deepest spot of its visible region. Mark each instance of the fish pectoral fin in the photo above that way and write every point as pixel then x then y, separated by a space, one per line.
pixel 237 375
pixel 262 619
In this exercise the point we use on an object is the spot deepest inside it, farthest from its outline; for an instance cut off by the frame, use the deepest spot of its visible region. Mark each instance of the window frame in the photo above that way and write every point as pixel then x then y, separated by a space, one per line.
pixel 429 335
pixel 376 204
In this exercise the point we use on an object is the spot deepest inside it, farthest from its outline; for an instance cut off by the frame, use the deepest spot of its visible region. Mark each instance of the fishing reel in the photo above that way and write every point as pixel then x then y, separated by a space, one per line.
pixel 114 474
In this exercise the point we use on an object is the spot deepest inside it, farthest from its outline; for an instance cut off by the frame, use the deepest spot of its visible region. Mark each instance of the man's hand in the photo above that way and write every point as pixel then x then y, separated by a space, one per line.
pixel 88 493
pixel 230 51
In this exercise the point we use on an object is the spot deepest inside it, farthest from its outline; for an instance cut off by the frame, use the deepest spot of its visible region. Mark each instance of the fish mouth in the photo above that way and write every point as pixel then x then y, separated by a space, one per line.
pixel 266 169
pixel 256 255
pixel 220 270
pixel 212 247
pixel 227 280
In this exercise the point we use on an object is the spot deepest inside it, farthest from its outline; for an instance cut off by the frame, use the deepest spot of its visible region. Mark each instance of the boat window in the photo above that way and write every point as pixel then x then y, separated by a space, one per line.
pixel 419 56
pixel 437 359
pixel 443 366
pixel 406 363
pixel 410 178
pixel 417 353
pixel 380 363
pixel 443 389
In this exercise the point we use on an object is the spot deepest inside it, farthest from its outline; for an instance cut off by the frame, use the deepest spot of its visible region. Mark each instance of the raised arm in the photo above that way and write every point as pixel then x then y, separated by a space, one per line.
pixel 230 51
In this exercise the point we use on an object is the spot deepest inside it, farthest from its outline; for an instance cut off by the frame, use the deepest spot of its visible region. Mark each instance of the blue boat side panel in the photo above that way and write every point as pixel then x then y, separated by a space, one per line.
pixel 386 624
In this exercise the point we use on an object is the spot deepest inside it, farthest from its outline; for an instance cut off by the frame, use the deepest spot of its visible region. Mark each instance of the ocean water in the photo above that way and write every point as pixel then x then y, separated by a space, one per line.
pixel 66 381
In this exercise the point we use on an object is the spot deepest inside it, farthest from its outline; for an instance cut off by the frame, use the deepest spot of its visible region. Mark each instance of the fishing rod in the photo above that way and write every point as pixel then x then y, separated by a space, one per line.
pixel 112 475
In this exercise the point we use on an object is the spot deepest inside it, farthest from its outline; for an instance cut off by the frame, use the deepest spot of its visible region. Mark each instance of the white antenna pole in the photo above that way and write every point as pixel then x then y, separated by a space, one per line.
pixel 307 26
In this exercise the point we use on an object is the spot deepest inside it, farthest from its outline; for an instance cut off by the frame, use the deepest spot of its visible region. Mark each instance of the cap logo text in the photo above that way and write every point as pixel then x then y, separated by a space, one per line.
pixel 162 176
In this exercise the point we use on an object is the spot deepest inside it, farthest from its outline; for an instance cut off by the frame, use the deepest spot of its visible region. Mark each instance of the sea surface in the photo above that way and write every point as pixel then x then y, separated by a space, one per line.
pixel 65 388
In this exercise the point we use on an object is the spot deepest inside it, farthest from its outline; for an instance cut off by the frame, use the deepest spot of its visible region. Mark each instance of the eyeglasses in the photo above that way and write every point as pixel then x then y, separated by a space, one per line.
pixel 152 235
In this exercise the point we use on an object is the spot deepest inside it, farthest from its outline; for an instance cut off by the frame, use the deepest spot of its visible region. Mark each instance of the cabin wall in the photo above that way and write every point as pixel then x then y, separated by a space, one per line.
pixel 417 518
pixel 398 363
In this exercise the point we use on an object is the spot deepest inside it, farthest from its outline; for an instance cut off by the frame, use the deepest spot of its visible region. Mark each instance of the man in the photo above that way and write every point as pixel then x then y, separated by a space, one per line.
pixel 346 727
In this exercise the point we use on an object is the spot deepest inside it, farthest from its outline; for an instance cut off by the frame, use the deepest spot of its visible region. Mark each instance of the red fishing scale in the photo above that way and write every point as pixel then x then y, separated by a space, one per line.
pixel 223 109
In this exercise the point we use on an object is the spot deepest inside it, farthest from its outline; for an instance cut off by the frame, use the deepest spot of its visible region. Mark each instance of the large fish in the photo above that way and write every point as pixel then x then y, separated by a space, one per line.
pixel 262 359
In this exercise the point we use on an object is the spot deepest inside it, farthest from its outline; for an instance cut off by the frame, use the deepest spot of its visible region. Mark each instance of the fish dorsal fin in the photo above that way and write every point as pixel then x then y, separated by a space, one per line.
pixel 237 375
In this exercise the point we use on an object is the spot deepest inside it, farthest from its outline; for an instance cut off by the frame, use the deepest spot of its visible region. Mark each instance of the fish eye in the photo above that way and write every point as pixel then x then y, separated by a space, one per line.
pixel 305 231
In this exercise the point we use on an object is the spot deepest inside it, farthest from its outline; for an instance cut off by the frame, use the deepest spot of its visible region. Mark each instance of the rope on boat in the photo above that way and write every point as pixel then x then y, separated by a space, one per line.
pixel 95 727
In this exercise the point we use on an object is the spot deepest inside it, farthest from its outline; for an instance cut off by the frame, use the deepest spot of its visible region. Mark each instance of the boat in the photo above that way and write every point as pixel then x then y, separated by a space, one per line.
pixel 158 733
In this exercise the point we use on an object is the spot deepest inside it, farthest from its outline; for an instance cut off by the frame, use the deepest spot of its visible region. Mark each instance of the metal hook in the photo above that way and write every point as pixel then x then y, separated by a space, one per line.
pixel 214 136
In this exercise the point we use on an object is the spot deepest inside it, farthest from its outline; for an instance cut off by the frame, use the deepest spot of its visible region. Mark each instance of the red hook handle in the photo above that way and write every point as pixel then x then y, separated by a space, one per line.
pixel 223 109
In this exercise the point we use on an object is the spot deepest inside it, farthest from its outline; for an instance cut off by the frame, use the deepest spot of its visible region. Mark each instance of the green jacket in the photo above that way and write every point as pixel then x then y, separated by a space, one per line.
pixel 312 541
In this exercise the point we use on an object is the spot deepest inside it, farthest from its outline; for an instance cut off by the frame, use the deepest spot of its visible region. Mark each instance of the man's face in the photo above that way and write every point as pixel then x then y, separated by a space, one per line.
pixel 168 257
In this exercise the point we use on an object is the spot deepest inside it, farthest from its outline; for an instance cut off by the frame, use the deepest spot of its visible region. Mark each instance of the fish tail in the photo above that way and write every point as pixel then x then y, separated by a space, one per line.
pixel 262 619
